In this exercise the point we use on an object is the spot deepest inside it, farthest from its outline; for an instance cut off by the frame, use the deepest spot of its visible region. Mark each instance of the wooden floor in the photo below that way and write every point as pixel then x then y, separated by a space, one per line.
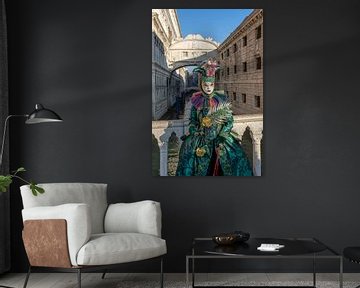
pixel 119 280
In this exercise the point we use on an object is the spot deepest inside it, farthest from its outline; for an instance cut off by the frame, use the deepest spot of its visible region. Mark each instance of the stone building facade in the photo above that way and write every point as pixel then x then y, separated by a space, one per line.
pixel 241 65
pixel 165 85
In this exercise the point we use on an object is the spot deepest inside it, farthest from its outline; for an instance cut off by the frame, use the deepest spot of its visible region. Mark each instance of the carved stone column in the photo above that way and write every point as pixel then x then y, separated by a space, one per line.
pixel 163 158
pixel 256 139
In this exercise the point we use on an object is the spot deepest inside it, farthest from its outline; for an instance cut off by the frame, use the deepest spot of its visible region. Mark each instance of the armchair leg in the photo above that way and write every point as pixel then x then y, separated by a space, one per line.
pixel 103 275
pixel 79 277
pixel 161 273
pixel 27 277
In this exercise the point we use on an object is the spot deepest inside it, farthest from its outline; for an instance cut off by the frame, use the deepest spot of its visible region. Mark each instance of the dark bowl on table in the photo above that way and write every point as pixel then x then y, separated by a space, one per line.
pixel 231 238
pixel 224 239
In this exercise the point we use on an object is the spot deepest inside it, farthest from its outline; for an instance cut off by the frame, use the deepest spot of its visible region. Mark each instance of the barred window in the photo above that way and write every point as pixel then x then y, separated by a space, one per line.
pixel 217 75
pixel 243 96
pixel 257 101
pixel 258 32
pixel 258 63
pixel 244 41
pixel 244 67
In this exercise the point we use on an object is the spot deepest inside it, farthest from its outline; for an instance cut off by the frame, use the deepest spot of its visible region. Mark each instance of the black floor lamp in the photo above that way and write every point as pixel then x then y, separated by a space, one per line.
pixel 39 115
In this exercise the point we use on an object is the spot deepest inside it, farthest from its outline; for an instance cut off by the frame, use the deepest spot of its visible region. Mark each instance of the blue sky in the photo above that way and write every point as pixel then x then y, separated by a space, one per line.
pixel 214 23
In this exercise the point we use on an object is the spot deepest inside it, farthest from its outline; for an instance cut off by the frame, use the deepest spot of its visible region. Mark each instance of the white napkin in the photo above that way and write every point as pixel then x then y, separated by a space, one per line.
pixel 270 247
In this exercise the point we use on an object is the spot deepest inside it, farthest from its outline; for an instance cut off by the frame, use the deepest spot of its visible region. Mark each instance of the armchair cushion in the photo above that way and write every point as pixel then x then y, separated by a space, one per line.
pixel 138 217
pixel 113 248
pixel 78 221
pixel 93 194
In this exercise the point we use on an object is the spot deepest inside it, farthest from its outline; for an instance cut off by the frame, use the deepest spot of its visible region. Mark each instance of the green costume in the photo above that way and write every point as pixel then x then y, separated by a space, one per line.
pixel 211 148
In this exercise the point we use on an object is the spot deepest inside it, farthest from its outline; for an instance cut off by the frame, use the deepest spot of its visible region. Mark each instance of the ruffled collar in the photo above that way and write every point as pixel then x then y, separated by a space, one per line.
pixel 198 99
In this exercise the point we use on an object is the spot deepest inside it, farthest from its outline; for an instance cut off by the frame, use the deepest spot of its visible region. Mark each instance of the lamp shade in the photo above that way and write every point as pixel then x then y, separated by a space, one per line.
pixel 42 115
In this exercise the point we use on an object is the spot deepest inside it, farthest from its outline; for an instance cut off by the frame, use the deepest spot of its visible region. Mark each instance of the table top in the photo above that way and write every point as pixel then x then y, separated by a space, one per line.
pixel 292 247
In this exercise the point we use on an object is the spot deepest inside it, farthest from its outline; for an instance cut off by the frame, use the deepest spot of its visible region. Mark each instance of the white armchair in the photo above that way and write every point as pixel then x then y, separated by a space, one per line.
pixel 72 228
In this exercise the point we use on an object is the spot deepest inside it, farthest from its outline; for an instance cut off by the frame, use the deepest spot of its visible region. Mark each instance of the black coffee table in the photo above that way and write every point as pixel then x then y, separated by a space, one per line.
pixel 294 248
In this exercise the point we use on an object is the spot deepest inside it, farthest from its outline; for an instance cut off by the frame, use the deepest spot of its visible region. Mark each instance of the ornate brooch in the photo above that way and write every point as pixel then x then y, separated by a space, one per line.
pixel 206 122
pixel 200 152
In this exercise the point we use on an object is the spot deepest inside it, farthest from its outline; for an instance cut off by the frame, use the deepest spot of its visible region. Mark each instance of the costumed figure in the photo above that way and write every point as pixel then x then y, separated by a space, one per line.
pixel 211 148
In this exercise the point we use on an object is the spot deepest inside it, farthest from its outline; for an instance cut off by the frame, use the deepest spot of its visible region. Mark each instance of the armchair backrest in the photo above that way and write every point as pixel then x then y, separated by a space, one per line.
pixel 92 194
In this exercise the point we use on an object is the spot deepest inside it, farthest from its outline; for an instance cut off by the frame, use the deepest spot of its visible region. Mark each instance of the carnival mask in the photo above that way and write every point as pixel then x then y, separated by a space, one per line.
pixel 207 87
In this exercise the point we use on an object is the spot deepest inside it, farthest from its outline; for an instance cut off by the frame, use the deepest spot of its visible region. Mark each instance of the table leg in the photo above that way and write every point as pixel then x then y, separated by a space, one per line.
pixel 193 267
pixel 314 271
pixel 341 273
pixel 193 272
pixel 187 272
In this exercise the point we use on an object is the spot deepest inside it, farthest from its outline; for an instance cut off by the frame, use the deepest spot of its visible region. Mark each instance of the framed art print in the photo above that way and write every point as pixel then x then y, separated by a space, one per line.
pixel 207 92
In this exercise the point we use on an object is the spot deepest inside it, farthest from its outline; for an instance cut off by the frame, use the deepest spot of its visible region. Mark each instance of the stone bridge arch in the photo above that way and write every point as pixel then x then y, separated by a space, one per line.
pixel 194 61
pixel 191 51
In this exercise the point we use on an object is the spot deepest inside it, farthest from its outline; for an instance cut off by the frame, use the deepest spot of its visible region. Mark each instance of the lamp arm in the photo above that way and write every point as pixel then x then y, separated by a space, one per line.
pixel 4 134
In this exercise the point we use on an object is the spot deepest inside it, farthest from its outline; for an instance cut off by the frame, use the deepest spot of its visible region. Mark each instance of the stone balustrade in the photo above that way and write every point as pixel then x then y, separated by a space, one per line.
pixel 162 130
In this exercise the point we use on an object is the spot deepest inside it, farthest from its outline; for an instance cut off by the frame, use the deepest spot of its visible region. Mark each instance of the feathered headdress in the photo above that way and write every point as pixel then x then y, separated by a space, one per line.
pixel 207 70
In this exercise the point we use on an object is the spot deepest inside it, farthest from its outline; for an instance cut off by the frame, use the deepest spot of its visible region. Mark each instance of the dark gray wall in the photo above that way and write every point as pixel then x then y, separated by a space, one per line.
pixel 90 61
